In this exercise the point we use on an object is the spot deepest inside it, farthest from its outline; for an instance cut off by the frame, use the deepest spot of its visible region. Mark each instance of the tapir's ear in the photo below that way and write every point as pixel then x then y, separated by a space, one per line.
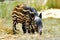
pixel 40 15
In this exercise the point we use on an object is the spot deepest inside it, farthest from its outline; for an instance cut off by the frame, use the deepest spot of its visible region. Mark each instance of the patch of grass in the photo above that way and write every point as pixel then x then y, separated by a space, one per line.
pixel 7 6
pixel 51 30
pixel 51 26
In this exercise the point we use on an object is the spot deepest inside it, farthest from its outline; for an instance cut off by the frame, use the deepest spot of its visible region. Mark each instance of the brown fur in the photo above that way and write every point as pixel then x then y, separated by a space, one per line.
pixel 20 16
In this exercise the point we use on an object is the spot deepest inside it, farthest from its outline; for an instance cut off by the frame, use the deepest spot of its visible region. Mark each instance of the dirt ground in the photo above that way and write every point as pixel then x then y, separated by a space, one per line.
pixel 51 31
pixel 6 34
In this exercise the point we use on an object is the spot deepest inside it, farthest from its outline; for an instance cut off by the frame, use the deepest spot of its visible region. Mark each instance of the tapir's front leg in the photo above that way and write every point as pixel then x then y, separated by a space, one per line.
pixel 24 27
pixel 14 27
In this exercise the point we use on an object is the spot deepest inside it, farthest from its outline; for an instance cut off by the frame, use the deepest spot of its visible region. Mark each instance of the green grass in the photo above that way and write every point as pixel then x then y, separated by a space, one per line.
pixel 51 28
pixel 7 6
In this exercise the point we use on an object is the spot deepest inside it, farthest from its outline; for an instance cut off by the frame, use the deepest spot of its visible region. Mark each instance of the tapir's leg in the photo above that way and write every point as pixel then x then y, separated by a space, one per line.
pixel 14 27
pixel 24 27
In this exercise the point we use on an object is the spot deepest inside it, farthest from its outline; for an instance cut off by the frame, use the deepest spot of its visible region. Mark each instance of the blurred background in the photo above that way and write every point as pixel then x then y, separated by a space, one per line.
pixel 8 5
pixel 51 19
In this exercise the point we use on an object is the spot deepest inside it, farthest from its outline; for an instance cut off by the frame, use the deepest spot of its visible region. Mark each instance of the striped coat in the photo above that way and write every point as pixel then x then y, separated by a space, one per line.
pixel 24 15
pixel 20 16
